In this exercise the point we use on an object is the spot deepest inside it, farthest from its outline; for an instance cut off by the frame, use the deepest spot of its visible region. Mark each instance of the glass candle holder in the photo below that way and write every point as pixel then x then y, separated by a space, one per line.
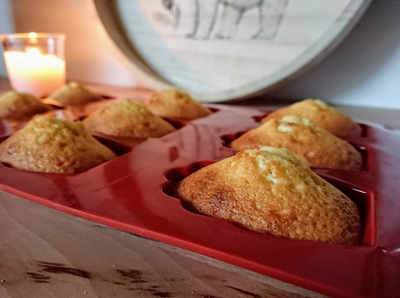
pixel 35 61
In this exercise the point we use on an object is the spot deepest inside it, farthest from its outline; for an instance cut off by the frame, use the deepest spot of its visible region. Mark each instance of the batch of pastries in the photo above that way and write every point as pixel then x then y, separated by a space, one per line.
pixel 267 187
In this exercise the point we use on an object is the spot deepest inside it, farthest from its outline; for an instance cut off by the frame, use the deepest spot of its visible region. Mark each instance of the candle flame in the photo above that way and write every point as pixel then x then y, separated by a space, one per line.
pixel 32 35
pixel 34 52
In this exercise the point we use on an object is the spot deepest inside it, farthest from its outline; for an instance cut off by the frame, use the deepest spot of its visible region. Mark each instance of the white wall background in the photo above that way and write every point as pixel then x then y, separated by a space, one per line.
pixel 364 70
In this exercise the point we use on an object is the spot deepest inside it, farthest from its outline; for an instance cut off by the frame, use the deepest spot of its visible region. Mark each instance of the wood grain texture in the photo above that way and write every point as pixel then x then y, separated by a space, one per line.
pixel 107 12
pixel 224 50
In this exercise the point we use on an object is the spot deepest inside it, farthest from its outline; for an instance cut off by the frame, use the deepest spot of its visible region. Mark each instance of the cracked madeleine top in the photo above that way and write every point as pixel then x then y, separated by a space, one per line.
pixel 74 94
pixel 128 119
pixel 316 146
pixel 53 146
pixel 322 115
pixel 177 105
pixel 20 106
pixel 270 190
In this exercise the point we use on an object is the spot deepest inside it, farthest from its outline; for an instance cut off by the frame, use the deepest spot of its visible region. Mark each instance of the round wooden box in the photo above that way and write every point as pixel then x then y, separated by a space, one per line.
pixel 221 50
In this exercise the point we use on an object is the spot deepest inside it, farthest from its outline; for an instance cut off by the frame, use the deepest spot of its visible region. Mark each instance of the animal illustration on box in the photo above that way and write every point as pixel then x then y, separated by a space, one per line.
pixel 222 18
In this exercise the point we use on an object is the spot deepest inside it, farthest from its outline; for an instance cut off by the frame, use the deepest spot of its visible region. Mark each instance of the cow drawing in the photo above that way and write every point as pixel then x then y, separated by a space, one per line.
pixel 228 14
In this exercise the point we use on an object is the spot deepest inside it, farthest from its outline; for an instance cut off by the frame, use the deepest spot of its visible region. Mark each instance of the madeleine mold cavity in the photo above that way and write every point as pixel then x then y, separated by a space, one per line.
pixel 135 192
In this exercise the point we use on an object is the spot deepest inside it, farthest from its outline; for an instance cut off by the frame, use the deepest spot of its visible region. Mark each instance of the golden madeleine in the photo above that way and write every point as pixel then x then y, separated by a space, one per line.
pixel 20 106
pixel 128 119
pixel 177 105
pixel 74 94
pixel 270 190
pixel 53 145
pixel 316 146
pixel 322 115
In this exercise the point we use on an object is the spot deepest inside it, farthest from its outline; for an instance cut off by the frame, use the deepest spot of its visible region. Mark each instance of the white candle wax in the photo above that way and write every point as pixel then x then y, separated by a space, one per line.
pixel 33 72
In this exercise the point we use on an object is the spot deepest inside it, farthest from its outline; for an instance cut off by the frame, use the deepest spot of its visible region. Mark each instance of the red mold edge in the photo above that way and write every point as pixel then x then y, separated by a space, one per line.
pixel 117 148
pixel 364 199
pixel 365 130
pixel 213 110
pixel 175 123
pixel 259 118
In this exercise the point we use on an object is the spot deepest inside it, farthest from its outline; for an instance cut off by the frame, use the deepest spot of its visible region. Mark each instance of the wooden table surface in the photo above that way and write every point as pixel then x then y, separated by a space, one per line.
pixel 46 253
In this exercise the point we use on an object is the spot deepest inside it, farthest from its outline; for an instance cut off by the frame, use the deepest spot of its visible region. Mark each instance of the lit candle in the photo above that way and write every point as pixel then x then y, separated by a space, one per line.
pixel 32 71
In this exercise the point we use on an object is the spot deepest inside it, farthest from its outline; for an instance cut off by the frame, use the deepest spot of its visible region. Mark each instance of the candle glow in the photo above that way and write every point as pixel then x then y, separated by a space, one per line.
pixel 32 35
pixel 33 72
pixel 35 61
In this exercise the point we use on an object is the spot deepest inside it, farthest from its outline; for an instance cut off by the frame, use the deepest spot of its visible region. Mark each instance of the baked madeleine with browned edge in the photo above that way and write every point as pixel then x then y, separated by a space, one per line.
pixel 53 145
pixel 316 146
pixel 321 114
pixel 20 106
pixel 74 94
pixel 175 104
pixel 272 191
pixel 127 119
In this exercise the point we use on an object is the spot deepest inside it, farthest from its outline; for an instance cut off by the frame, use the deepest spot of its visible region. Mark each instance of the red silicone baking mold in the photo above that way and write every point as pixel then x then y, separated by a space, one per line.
pixel 134 193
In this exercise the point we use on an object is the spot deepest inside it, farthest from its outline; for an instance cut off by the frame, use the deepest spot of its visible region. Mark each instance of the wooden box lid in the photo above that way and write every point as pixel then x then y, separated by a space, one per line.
pixel 220 50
